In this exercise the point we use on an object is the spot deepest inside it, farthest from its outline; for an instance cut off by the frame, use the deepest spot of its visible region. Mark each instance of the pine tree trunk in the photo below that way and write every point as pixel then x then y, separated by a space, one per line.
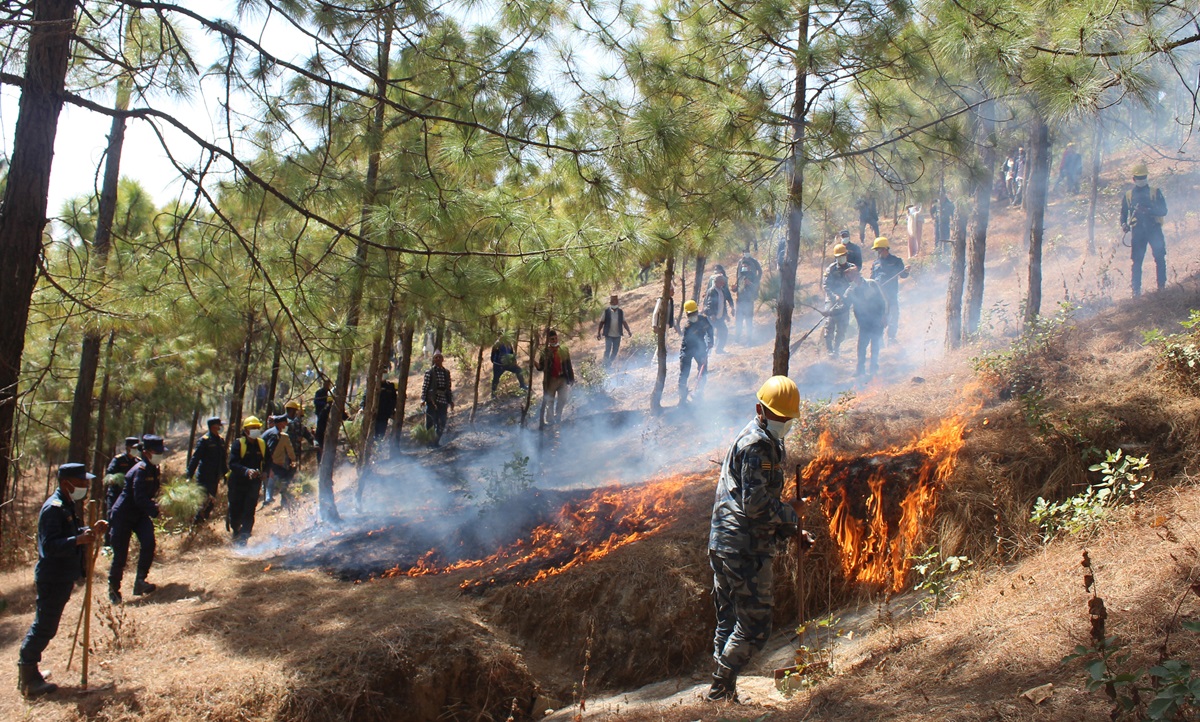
pixel 98 452
pixel 533 336
pixel 191 446
pixel 682 291
pixel 478 374
pixel 240 377
pixel 406 339
pixel 983 208
pixel 787 281
pixel 1035 205
pixel 1097 159
pixel 326 504
pixel 23 214
pixel 273 384
pixel 698 280
pixel 954 288
pixel 663 321
pixel 370 403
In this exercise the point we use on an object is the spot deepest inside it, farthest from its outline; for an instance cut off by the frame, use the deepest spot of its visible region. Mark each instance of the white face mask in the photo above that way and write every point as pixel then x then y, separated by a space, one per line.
pixel 78 493
pixel 779 429
pixel 1142 183
pixel 842 260
pixel 255 433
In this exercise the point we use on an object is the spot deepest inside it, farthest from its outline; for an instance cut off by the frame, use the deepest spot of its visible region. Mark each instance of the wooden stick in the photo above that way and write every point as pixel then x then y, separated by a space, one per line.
pixel 93 514
pixel 801 610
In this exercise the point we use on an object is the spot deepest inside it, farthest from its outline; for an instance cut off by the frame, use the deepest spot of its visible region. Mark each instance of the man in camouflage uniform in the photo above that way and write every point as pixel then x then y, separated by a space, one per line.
pixel 749 519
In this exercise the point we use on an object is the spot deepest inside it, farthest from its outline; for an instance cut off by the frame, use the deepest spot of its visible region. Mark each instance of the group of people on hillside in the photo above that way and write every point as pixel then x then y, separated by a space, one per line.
pixel 874 301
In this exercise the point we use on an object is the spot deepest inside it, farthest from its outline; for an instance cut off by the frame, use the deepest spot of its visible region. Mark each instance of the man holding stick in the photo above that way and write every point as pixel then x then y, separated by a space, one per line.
pixel 61 544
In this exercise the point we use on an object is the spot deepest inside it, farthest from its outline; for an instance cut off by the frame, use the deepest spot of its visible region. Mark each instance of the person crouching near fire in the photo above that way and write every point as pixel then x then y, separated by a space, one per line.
pixel 749 520
pixel 62 543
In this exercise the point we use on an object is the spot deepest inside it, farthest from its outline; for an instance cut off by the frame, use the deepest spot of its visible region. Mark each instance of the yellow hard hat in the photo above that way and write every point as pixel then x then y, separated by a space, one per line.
pixel 840 249
pixel 293 404
pixel 251 422
pixel 881 242
pixel 781 397
pixel 1138 169
pixel 689 306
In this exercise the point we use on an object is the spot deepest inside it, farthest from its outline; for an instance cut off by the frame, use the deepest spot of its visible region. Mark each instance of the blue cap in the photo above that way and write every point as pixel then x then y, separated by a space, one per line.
pixel 214 420
pixel 132 441
pixel 74 471
pixel 150 442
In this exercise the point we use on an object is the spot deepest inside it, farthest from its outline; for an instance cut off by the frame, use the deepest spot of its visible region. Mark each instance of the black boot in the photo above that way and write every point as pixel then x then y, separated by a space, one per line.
pixel 31 683
pixel 114 593
pixel 724 687
pixel 141 586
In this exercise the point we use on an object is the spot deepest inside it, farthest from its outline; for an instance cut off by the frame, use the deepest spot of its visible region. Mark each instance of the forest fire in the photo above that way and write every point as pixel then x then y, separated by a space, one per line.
pixel 879 504
pixel 581 531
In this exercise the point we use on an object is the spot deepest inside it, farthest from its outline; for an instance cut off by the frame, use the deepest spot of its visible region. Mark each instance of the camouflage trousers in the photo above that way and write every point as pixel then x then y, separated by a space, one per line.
pixel 742 590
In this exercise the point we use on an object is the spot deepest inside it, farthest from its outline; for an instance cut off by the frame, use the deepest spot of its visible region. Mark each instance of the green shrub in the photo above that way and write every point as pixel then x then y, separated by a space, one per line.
pixel 1179 353
pixel 179 500
pixel 1123 477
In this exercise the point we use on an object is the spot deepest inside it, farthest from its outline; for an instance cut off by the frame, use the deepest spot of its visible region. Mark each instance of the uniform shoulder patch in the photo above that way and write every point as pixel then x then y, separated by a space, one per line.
pixel 56 502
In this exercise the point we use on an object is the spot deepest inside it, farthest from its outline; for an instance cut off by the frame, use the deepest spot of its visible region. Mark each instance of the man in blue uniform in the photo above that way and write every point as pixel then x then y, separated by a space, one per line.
pixel 207 466
pixel 134 513
pixel 749 519
pixel 697 340
pixel 114 476
pixel 62 543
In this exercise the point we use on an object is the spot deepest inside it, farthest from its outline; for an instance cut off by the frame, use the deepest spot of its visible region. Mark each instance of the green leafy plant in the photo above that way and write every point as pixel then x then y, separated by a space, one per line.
pixel 1123 477
pixel 1179 353
pixel 178 502
pixel 1020 369
pixel 1168 690
pixel 423 434
pixel 938 575
pixel 511 480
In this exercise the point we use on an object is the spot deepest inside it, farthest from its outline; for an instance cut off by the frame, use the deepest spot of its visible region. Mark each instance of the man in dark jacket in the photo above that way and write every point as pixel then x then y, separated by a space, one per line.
pixel 697 340
pixel 247 469
pixel 62 543
pixel 887 272
pixel 871 312
pixel 437 396
pixel 558 375
pixel 504 358
pixel 114 478
pixel 868 215
pixel 134 513
pixel 321 404
pixel 718 303
pixel 853 250
pixel 207 466
pixel 384 409
pixel 749 520
pixel 612 326
pixel 1142 211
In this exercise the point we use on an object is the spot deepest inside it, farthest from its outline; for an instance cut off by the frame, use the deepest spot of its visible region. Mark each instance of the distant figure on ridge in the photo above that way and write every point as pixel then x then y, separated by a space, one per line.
pixel 504 358
pixel 868 216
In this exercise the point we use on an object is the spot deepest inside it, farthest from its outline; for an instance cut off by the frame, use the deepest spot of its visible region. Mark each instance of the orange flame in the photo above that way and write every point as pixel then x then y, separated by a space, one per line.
pixel 585 530
pixel 879 505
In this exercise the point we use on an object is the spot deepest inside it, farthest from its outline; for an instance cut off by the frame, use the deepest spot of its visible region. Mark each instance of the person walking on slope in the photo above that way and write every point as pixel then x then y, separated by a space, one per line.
pixel 871 313
pixel 62 545
pixel 247 468
pixel 504 358
pixel 1142 211
pixel 611 327
pixel 558 375
pixel 437 397
pixel 853 250
pixel 114 478
pixel 868 217
pixel 749 520
pixel 282 461
pixel 717 304
pixel 837 309
pixel 133 513
pixel 887 270
pixel 322 404
pixel 297 429
pixel 208 466
pixel 749 279
pixel 696 343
